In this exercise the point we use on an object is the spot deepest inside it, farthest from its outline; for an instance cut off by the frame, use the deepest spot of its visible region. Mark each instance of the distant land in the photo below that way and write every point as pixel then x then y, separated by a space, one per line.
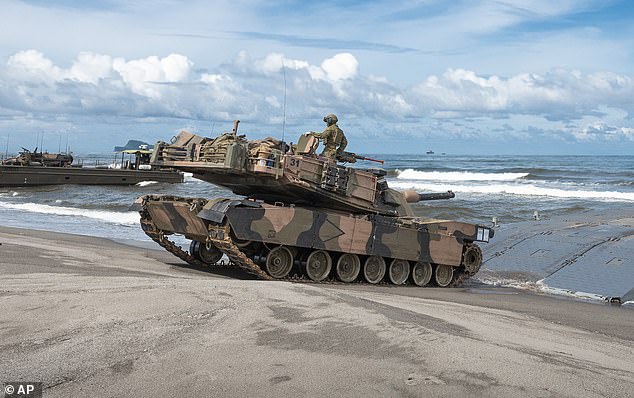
pixel 132 144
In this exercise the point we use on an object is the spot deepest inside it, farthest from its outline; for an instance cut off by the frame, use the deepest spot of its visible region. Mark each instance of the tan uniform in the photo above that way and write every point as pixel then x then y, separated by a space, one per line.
pixel 334 140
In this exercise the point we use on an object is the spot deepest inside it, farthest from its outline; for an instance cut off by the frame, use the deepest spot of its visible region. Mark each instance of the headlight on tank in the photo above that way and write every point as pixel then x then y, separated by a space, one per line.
pixel 484 234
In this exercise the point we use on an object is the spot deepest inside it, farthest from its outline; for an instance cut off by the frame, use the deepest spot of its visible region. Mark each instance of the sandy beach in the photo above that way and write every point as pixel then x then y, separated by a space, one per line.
pixel 91 317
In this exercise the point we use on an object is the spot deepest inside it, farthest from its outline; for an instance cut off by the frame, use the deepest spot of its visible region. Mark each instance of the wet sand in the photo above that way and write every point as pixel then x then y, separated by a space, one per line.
pixel 91 317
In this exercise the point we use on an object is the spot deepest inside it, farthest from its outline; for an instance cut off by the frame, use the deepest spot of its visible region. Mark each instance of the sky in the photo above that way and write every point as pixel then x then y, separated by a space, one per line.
pixel 461 77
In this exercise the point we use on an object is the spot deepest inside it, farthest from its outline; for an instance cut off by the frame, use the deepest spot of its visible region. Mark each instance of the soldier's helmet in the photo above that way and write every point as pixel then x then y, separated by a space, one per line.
pixel 330 119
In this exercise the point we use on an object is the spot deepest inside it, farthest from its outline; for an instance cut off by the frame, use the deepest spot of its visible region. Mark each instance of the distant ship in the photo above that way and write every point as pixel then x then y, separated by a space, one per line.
pixel 43 168
pixel 430 152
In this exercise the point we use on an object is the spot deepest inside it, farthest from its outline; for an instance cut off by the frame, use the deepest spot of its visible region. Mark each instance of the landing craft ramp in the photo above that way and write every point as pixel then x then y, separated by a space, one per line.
pixel 594 256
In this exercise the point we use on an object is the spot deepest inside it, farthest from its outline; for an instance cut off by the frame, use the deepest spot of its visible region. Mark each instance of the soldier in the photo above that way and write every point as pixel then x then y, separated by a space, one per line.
pixel 333 138
pixel 25 158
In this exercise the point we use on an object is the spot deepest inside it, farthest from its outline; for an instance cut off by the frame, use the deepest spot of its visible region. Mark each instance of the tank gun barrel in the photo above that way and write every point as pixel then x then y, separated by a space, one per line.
pixel 353 157
pixel 413 196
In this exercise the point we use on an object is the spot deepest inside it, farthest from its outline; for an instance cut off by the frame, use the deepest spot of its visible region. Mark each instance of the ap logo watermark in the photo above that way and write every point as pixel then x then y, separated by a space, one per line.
pixel 22 389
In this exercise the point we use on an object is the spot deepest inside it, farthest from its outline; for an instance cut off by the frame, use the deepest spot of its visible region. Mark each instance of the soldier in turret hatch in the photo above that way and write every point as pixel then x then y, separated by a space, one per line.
pixel 333 138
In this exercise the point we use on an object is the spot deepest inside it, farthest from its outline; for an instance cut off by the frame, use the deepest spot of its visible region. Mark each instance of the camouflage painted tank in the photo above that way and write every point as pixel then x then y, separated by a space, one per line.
pixel 35 158
pixel 305 216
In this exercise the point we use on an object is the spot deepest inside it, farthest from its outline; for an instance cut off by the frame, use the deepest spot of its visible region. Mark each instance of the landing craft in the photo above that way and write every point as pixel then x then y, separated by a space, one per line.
pixel 305 216
pixel 43 168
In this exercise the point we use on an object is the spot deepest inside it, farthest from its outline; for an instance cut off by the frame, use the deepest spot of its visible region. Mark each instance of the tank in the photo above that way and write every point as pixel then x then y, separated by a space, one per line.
pixel 35 158
pixel 305 217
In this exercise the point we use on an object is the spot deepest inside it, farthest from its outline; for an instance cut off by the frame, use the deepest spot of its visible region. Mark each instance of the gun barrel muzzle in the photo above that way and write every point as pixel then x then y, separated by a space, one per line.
pixel 413 196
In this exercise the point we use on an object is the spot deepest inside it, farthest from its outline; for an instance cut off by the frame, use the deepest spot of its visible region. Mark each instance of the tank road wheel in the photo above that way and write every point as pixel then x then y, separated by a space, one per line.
pixel 318 265
pixel 398 271
pixel 279 262
pixel 443 275
pixel 208 253
pixel 348 267
pixel 472 258
pixel 193 249
pixel 421 274
pixel 374 269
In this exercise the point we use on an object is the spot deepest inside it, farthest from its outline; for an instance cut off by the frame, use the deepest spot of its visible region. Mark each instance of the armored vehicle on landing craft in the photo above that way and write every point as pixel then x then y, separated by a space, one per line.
pixel 305 216
pixel 35 158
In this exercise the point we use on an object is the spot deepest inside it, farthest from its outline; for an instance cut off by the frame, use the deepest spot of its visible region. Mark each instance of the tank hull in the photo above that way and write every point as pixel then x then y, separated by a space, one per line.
pixel 259 227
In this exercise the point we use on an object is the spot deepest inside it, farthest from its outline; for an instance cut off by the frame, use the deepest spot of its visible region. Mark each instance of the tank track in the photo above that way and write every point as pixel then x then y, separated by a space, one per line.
pixel 236 257
pixel 219 235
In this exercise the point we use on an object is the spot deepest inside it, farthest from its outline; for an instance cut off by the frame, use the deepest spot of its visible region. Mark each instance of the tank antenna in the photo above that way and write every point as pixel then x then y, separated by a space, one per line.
pixel 283 106
pixel 6 155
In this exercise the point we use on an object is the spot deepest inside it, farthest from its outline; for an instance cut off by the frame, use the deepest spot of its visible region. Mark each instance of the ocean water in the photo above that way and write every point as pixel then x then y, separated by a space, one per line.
pixel 510 188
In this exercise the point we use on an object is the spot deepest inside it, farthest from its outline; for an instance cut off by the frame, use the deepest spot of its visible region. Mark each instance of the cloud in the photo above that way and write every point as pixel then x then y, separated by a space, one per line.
pixel 326 43
pixel 340 67
pixel 603 131
pixel 77 5
pixel 32 64
pixel 458 103
pixel 275 62
pixel 141 75
pixel 91 68
pixel 556 95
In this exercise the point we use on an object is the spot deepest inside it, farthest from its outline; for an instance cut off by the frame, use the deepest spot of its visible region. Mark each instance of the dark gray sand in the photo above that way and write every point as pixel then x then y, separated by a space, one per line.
pixel 90 317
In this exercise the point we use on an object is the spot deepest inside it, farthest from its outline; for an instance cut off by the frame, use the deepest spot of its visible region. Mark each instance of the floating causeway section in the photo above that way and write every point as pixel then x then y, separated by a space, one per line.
pixel 594 256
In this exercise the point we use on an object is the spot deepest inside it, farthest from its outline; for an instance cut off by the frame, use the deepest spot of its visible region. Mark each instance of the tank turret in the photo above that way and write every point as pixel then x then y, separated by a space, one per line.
pixel 305 215
pixel 271 171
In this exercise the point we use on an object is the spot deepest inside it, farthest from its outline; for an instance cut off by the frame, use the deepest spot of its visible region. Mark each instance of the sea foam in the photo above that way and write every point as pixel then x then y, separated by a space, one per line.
pixel 539 286
pixel 146 183
pixel 411 174
pixel 189 177
pixel 114 217
pixel 521 190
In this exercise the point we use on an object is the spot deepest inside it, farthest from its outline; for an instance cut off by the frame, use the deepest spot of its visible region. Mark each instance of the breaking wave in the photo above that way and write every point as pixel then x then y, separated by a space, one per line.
pixel 146 183
pixel 411 174
pixel 114 217
pixel 189 177
pixel 522 190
